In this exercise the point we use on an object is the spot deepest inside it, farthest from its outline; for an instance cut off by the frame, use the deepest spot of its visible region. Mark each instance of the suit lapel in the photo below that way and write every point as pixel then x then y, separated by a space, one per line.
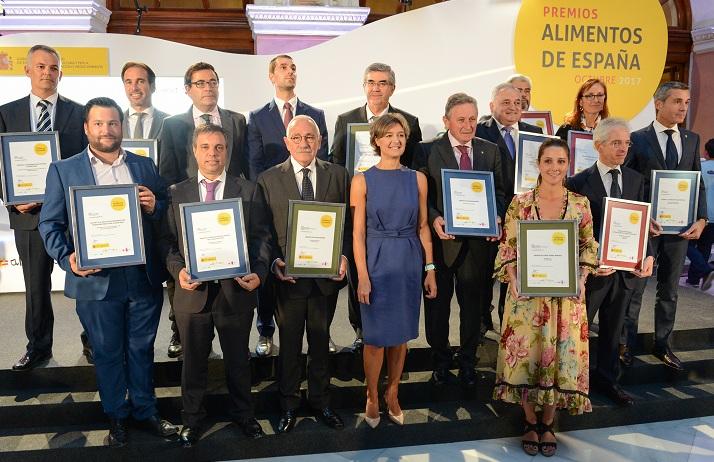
pixel 287 180
pixel 125 125
pixel 478 155
pixel 86 169
pixel 62 114
pixel 363 114
pixel 595 182
pixel 447 152
pixel 628 182
pixel 133 168
pixel 323 180
pixel 24 118
pixel 275 119
pixel 227 124
pixel 687 149
pixel 231 189
pixel 156 124
pixel 654 145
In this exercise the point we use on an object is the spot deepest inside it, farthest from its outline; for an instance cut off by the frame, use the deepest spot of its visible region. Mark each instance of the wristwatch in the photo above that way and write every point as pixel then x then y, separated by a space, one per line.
pixel 429 266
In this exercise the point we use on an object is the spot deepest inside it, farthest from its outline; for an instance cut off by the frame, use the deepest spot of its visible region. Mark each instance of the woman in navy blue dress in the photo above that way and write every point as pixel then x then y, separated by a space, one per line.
pixel 392 248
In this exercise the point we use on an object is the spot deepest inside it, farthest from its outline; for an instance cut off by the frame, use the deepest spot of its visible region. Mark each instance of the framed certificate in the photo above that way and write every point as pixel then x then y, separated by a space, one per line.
pixel 527 160
pixel 674 195
pixel 624 233
pixel 106 226
pixel 547 258
pixel 314 246
pixel 25 159
pixel 360 154
pixel 214 240
pixel 142 147
pixel 542 119
pixel 469 203
pixel 582 151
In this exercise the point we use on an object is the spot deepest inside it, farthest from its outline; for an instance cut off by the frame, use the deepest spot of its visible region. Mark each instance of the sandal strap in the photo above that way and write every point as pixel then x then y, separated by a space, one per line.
pixel 546 428
pixel 531 427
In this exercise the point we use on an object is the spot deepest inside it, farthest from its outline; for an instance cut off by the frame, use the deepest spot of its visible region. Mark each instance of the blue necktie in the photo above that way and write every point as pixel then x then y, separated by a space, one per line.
pixel 671 154
pixel 509 141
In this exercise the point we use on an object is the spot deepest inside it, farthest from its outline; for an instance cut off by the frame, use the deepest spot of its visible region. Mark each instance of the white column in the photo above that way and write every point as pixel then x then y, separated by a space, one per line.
pixel 54 16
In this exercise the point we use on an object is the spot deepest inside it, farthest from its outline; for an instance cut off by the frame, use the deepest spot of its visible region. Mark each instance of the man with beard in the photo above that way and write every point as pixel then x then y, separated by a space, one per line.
pixel 120 307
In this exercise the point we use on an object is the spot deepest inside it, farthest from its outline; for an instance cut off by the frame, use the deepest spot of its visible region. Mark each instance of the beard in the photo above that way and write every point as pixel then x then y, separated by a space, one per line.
pixel 105 144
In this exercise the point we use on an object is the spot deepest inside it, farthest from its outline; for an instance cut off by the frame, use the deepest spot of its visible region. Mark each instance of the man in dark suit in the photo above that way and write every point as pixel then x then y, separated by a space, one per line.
pixel 609 291
pixel 663 145
pixel 466 262
pixel 142 120
pixel 379 83
pixel 120 307
pixel 304 303
pixel 266 148
pixel 226 305
pixel 42 110
pixel 503 128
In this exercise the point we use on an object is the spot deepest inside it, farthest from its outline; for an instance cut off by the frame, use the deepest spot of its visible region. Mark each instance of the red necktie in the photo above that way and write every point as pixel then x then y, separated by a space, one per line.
pixel 288 114
pixel 464 162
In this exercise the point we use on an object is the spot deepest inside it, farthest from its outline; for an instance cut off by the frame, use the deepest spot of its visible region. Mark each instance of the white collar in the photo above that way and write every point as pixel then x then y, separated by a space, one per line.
pixel 454 142
pixel 604 169
pixel 281 103
pixel 221 178
pixel 149 111
pixel 370 115
pixel 659 128
pixel 93 159
pixel 198 113
pixel 34 99
pixel 297 166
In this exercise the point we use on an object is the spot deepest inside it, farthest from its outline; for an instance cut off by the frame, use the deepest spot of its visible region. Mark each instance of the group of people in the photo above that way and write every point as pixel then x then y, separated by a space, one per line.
pixel 395 249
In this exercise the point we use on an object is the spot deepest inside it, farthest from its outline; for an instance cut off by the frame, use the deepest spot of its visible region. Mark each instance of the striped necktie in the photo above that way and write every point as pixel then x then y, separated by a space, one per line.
pixel 44 122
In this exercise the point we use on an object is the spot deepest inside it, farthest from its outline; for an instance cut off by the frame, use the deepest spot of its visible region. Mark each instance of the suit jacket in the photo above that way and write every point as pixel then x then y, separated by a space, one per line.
pixel 266 130
pixel 645 155
pixel 485 158
pixel 279 186
pixel 338 152
pixel 56 229
pixel 257 234
pixel 588 183
pixel 176 160
pixel 488 130
pixel 157 124
pixel 69 123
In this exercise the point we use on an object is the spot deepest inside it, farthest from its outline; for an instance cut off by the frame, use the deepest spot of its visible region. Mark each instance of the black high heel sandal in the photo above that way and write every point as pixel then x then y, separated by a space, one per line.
pixel 530 447
pixel 547 448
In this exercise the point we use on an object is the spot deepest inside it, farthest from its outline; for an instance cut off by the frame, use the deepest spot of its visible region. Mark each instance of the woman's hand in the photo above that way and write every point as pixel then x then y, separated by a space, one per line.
pixel 513 288
pixel 580 298
pixel 430 284
pixel 364 287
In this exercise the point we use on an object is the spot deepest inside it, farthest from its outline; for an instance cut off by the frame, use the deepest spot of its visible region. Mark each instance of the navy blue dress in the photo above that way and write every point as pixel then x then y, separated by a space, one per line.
pixel 394 257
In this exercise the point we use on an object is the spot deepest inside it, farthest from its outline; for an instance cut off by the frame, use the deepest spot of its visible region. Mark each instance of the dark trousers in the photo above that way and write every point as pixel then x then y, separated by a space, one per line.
pixel 170 290
pixel 122 330
pixel 699 252
pixel 669 250
pixel 470 278
pixel 233 324
pixel 296 316
pixel 266 307
pixel 610 296
pixel 37 272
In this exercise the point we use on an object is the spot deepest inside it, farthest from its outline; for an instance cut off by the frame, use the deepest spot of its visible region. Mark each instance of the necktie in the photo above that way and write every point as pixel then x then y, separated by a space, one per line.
pixel 464 161
pixel 139 127
pixel 288 116
pixel 206 118
pixel 509 141
pixel 210 189
pixel 615 191
pixel 671 155
pixel 308 194
pixel 44 122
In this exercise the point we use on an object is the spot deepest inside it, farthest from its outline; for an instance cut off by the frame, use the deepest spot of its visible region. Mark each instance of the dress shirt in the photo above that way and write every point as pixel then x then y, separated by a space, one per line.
pixel 514 133
pixel 607 177
pixel 298 174
pixel 217 193
pixel 457 154
pixel 370 115
pixel 198 121
pixel 148 119
pixel 108 174
pixel 281 106
pixel 662 138
pixel 36 110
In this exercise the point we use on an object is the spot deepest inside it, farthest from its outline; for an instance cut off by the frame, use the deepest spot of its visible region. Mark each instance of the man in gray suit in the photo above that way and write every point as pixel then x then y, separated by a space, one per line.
pixel 142 120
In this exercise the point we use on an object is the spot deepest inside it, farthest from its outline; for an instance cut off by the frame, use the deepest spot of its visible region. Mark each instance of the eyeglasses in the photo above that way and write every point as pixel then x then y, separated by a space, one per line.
pixel 297 139
pixel 617 144
pixel 595 96
pixel 202 83
pixel 380 84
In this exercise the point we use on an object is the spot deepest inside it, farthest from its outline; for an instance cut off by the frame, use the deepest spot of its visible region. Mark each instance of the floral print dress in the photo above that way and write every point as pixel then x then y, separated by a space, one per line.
pixel 543 353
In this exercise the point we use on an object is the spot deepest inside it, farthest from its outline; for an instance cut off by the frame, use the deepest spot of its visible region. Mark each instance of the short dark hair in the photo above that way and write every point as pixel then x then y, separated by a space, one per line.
pixel 662 92
pixel 207 128
pixel 149 72
pixel 200 66
pixel 273 62
pixel 709 148
pixel 102 101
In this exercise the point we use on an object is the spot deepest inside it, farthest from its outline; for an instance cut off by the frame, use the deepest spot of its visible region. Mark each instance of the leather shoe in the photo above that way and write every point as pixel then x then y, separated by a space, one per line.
pixel 617 394
pixel 669 359
pixel 287 421
pixel 86 347
pixel 441 377
pixel 329 418
pixel 158 426
pixel 175 348
pixel 117 436
pixel 31 360
pixel 358 343
pixel 264 346
pixel 189 436
pixel 625 356
pixel 251 428
pixel 467 377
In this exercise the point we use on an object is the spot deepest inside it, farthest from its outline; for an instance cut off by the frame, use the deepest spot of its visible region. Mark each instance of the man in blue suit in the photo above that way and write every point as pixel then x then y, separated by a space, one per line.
pixel 119 307
pixel 266 148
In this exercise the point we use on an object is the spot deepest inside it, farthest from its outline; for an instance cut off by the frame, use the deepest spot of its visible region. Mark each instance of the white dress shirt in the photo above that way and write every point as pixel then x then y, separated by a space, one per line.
pixel 108 174
pixel 370 115
pixel 454 142
pixel 607 177
pixel 36 110
pixel 298 174
pixel 662 138
pixel 148 119
pixel 198 120
pixel 281 105
pixel 217 193
pixel 514 133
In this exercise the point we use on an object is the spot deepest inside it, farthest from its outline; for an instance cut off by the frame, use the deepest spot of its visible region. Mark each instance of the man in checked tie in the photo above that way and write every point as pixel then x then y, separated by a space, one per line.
pixel 43 110
pixel 463 264
pixel 664 145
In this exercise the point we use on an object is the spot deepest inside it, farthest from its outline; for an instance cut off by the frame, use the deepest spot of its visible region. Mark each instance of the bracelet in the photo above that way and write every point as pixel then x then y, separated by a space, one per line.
pixel 429 266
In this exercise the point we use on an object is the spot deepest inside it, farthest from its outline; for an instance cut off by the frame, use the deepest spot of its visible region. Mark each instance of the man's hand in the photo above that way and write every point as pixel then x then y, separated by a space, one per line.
pixel 500 231
pixel 694 231
pixel 647 266
pixel 655 228
pixel 24 208
pixel 75 267
pixel 603 271
pixel 249 282
pixel 343 269
pixel 439 228
pixel 147 200
pixel 279 271
pixel 185 281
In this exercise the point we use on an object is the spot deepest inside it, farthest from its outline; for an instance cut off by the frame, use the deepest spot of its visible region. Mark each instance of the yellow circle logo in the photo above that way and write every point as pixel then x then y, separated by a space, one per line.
pixel 558 238
pixel 634 218
pixel 118 203
pixel 326 221
pixel 477 186
pixel 141 152
pixel 41 149
pixel 224 218
pixel 683 185
pixel 560 44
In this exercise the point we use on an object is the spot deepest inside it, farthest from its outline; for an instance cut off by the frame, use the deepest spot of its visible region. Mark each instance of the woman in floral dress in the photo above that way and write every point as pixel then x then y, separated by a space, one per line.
pixel 543 352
